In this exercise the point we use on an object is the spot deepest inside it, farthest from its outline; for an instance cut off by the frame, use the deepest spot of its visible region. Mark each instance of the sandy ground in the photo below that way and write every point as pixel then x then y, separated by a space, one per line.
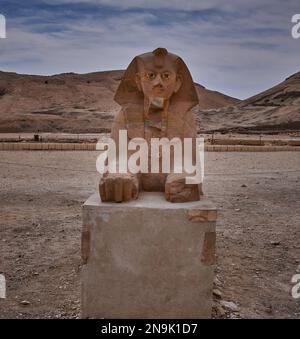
pixel 258 247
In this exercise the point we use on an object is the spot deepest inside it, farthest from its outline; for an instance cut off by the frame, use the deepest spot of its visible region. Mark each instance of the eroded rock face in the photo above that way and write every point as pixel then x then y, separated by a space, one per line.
pixel 157 95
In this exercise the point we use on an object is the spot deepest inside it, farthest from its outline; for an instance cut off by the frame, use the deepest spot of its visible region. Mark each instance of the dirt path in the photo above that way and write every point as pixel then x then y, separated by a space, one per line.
pixel 258 242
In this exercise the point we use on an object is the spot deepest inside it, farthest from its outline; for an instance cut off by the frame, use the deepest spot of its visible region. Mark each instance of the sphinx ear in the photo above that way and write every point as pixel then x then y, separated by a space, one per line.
pixel 138 81
pixel 178 82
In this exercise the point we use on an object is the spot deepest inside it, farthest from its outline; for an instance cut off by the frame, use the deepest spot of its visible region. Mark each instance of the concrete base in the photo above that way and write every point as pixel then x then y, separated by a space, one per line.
pixel 147 258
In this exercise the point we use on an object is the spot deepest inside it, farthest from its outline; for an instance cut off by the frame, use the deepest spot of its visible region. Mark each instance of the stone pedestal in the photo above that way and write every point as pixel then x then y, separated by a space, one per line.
pixel 148 258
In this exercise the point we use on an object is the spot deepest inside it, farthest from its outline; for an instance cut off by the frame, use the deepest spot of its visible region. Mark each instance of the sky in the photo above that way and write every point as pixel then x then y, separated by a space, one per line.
pixel 239 48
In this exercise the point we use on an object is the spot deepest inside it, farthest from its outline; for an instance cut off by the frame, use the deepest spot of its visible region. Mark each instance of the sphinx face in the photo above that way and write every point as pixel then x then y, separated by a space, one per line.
pixel 158 81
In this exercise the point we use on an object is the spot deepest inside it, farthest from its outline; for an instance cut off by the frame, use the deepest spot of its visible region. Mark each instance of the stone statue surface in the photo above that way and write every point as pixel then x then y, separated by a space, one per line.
pixel 156 95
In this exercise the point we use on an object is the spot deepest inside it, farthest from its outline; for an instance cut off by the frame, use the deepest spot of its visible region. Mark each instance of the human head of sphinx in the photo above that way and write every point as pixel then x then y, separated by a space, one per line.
pixel 157 78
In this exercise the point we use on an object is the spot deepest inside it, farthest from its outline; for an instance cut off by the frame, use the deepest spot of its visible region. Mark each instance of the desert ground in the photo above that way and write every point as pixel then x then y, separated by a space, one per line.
pixel 258 249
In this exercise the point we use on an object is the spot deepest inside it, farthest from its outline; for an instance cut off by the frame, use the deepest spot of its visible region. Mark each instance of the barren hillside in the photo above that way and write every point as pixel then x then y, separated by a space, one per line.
pixel 77 103
pixel 277 109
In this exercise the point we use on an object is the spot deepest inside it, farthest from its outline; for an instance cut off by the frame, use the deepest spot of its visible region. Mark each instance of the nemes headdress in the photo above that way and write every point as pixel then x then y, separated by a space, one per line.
pixel 128 92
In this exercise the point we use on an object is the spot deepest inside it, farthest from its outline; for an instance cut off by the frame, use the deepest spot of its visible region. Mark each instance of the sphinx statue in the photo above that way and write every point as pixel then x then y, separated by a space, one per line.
pixel 156 95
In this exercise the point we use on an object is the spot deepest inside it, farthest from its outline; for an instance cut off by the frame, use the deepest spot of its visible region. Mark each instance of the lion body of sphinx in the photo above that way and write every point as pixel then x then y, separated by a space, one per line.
pixel 180 124
pixel 156 95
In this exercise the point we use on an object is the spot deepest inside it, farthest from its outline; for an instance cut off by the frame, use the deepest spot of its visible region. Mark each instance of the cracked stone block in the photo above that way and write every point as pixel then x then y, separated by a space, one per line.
pixel 148 258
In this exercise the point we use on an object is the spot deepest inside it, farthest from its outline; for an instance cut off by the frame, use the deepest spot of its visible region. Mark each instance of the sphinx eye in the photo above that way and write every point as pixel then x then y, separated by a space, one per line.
pixel 151 75
pixel 166 76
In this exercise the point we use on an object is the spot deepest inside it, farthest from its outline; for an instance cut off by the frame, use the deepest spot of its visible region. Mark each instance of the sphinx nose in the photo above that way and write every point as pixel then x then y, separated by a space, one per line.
pixel 158 81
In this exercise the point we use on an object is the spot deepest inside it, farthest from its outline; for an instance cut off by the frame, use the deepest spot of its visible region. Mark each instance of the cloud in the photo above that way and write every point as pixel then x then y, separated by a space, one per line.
pixel 187 5
pixel 237 50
